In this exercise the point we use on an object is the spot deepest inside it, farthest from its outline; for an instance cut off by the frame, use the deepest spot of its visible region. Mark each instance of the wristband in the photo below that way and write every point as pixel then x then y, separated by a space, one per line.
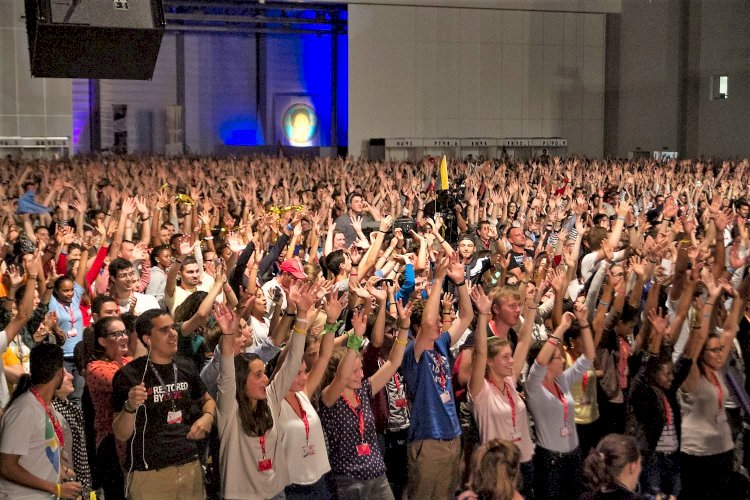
pixel 355 342
pixel 399 341
pixel 301 320
pixel 144 219
pixel 59 490
pixel 332 327
pixel 209 414
pixel 602 303
pixel 554 341
pixel 460 284
pixel 126 408
pixel 620 217
pixel 584 326
pixel 208 238
pixel 301 332
pixel 287 313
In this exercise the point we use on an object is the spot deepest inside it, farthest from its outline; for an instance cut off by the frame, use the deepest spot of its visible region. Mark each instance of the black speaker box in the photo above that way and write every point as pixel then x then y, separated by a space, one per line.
pixel 117 39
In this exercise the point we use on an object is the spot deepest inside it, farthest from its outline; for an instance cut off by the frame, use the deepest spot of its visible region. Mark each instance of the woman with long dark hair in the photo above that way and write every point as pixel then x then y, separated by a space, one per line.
pixel 253 461
pixel 707 448
pixel 110 354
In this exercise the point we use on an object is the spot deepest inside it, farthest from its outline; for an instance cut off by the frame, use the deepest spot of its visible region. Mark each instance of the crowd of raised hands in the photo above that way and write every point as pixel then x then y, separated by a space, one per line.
pixel 556 319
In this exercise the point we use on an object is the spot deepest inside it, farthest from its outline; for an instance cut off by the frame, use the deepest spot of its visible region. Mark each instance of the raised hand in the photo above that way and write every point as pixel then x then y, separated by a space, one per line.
pixel 581 312
pixel 482 302
pixel 359 322
pixel 404 314
pixel 659 322
pixel 456 270
pixel 334 305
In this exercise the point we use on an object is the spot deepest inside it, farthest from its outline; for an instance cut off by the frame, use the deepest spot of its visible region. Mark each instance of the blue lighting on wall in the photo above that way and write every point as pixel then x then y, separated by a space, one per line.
pixel 240 131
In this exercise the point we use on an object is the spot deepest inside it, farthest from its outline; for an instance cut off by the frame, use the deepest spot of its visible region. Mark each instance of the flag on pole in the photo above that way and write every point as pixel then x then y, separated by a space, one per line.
pixel 443 174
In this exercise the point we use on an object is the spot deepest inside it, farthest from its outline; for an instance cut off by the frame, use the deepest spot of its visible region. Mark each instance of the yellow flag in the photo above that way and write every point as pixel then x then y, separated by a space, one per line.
pixel 443 173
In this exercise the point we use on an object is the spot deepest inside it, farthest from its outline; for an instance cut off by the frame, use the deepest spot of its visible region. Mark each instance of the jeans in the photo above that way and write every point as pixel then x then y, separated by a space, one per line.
pixel 348 488
pixel 319 490
pixel 661 473
pixel 557 475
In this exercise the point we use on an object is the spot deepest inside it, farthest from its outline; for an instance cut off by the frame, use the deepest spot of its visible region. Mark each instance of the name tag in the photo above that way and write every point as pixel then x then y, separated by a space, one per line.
pixel 308 450
pixel 264 465
pixel 174 417
pixel 445 397
pixel 363 449
pixel 565 432
pixel 400 403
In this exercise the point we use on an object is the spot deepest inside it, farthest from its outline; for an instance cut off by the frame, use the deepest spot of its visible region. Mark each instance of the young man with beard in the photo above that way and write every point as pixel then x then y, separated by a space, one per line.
pixel 31 438
pixel 162 409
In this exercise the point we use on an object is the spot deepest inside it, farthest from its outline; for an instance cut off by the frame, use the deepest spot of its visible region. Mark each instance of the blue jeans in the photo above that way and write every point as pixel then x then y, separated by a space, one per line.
pixel 661 473
pixel 319 490
pixel 348 488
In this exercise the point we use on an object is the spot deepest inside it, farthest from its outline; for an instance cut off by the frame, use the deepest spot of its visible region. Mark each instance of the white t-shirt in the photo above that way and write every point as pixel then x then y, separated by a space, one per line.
pixel 304 467
pixel 269 288
pixel 143 303
pixel 4 394
pixel 27 431
pixel 180 294
pixel 589 263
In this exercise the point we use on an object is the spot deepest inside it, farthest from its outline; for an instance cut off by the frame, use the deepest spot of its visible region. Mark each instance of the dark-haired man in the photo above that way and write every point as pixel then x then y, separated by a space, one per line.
pixel 357 208
pixel 163 454
pixel 31 438
pixel 122 285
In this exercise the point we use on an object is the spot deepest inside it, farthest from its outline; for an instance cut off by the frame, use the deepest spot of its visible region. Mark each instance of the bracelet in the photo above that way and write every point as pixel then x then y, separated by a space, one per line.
pixel 710 303
pixel 555 342
pixel 210 414
pixel 460 284
pixel 302 320
pixel 301 332
pixel 144 219
pixel 620 217
pixel 332 327
pixel 399 341
pixel 355 342
pixel 59 490
pixel 441 241
pixel 603 303
pixel 585 326
pixel 33 276
pixel 287 313
pixel 208 238
pixel 126 407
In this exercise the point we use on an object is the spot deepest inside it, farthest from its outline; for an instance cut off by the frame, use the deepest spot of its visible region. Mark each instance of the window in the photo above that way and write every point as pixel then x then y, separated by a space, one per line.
pixel 719 87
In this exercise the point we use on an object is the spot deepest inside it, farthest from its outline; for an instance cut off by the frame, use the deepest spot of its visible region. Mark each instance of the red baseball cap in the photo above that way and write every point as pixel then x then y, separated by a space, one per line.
pixel 294 268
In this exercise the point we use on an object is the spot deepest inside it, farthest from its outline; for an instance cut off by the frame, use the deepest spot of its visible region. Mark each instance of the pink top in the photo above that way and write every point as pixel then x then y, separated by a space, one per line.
pixel 494 415
pixel 99 375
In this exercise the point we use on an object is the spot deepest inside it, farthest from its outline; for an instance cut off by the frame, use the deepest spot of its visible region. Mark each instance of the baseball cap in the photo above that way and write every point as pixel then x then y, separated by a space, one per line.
pixel 294 268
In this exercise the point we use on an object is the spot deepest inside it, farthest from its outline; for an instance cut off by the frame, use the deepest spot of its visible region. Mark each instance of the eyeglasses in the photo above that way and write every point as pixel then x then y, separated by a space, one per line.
pixel 121 334
pixel 126 275
pixel 715 350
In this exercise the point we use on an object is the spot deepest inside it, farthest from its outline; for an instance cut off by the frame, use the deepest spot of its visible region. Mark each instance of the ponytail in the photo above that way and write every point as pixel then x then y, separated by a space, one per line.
pixel 604 463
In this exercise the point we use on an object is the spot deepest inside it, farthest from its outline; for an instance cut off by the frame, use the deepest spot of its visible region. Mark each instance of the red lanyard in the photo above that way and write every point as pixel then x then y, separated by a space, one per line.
pixel 303 416
pixel 511 401
pixel 71 312
pixel 262 440
pixel 717 386
pixel 559 395
pixel 439 362
pixel 585 381
pixel 667 408
pixel 396 382
pixel 55 424
pixel 358 412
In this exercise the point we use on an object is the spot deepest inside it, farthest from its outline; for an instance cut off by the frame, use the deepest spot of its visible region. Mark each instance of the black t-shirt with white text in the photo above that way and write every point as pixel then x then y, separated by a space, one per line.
pixel 178 400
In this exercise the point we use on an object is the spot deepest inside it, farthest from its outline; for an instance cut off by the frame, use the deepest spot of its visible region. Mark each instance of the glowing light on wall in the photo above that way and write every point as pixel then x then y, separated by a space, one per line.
pixel 300 124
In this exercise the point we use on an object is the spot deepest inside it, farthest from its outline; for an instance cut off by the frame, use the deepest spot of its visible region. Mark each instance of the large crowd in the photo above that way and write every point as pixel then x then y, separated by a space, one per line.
pixel 267 328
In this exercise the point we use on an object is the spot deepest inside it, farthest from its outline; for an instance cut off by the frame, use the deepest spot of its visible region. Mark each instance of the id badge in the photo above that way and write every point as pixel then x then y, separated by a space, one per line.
pixel 515 437
pixel 445 397
pixel 565 432
pixel 721 418
pixel 174 417
pixel 264 465
pixel 308 450
pixel 72 332
pixel 363 449
pixel 401 403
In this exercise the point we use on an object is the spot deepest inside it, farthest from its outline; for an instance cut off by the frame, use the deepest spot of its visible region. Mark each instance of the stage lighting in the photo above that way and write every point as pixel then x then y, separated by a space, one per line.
pixel 300 124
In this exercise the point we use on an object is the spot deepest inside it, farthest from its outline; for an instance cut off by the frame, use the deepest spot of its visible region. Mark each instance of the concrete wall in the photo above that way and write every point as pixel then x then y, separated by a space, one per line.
pixel 441 72
pixel 668 52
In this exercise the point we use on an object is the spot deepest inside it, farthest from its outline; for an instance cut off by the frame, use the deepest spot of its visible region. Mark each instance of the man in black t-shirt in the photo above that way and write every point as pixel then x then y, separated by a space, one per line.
pixel 517 241
pixel 161 398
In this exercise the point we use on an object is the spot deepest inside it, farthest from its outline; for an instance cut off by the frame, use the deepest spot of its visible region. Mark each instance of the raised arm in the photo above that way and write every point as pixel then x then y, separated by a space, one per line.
pixel 479 356
pixel 456 273
pixel 333 309
pixel 552 345
pixel 385 372
pixel 332 392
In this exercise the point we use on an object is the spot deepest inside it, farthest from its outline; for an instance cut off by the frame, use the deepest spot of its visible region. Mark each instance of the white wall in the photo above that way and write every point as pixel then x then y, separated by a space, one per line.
pixel 440 72
pixel 29 107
